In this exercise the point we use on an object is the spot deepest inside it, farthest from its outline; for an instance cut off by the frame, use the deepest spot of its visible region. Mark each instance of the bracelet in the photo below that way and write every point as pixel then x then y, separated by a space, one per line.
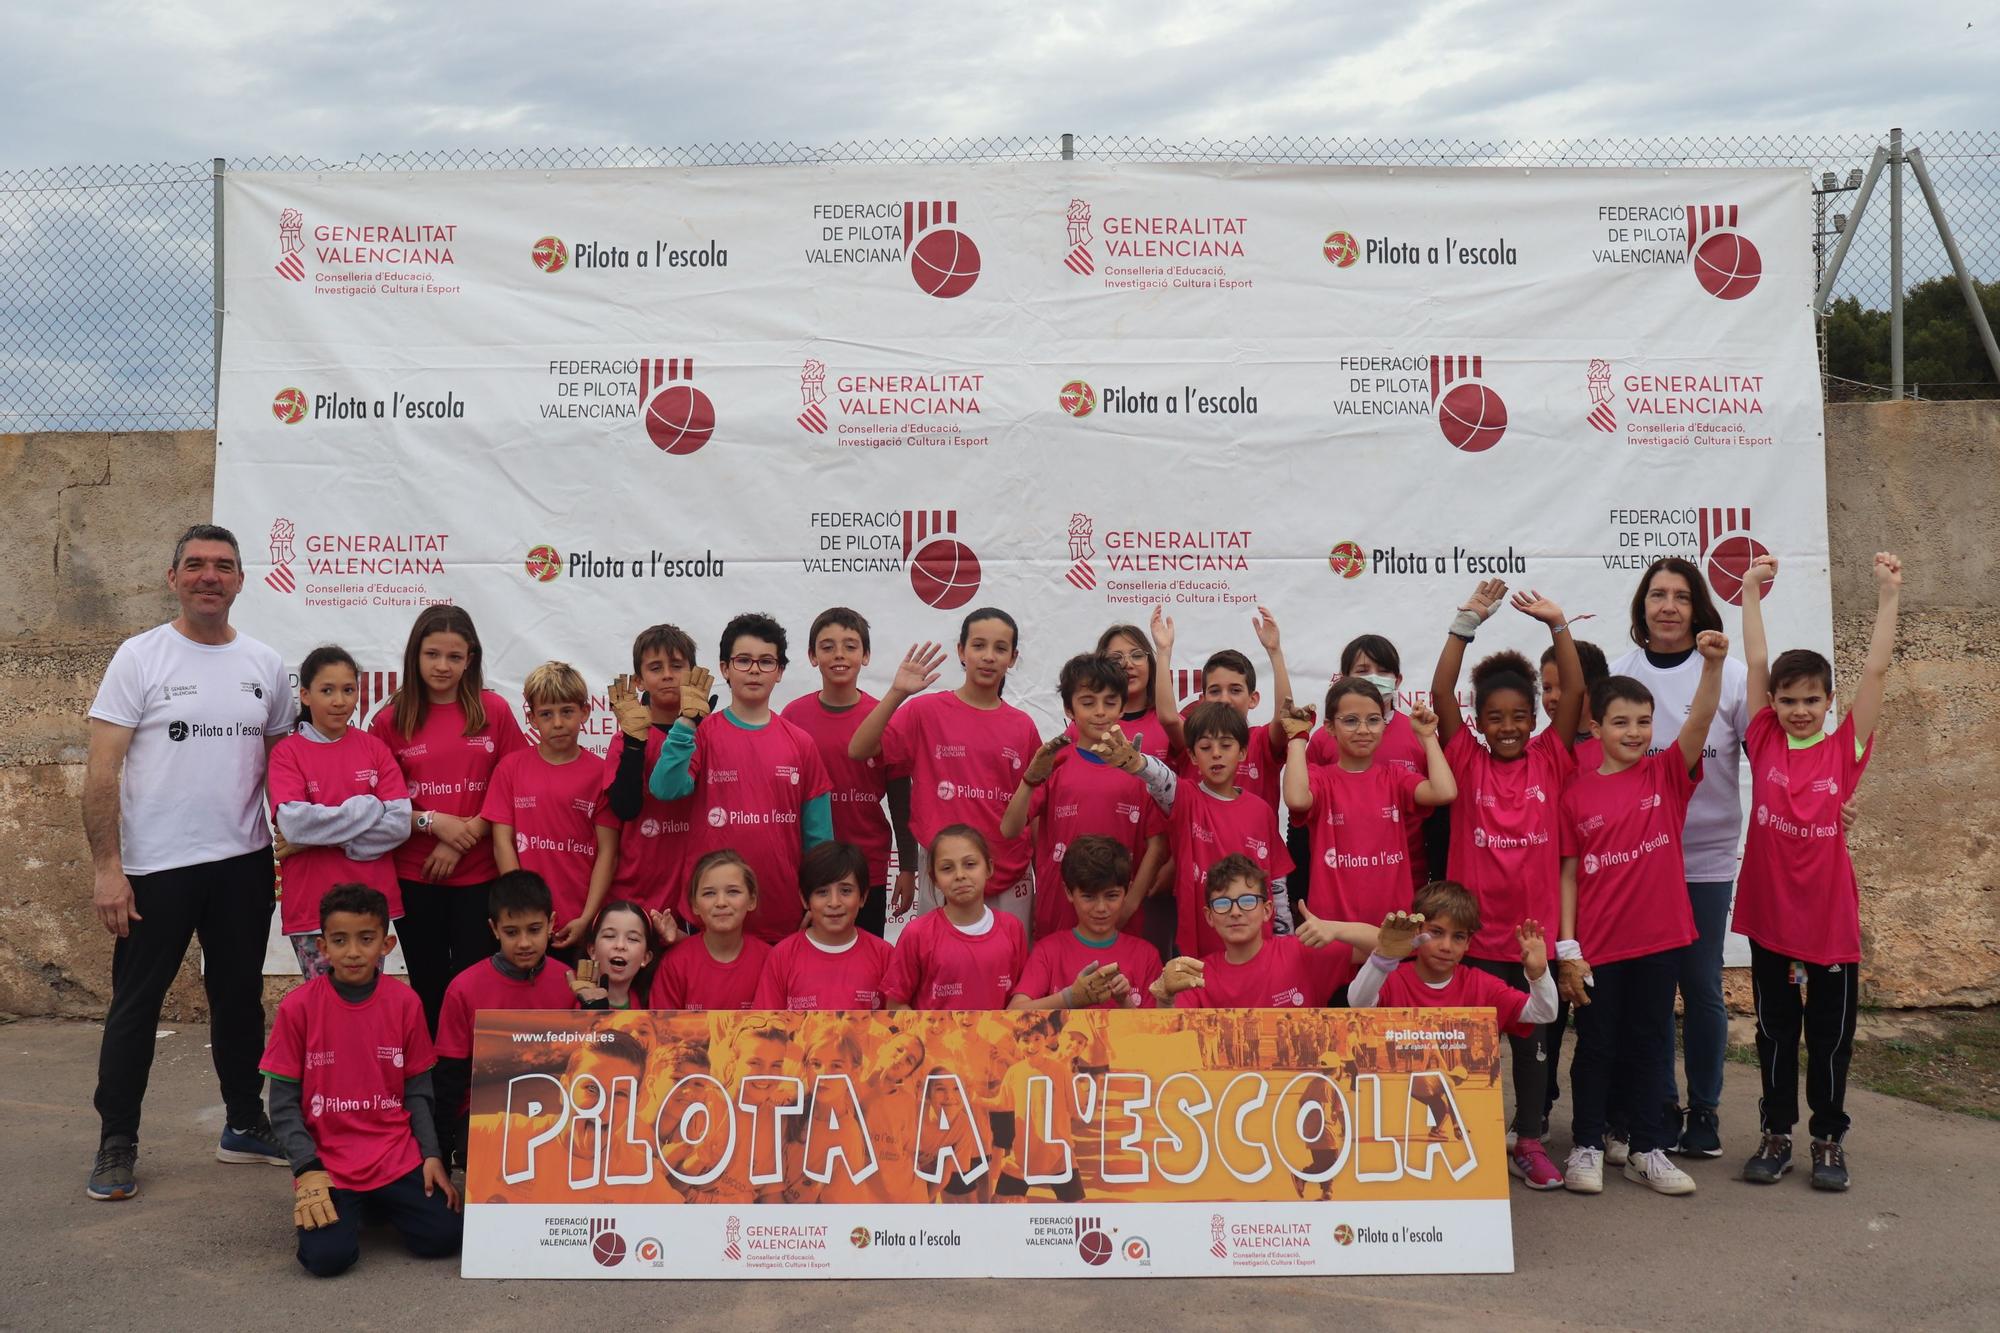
pixel 1568 951
pixel 1559 629
pixel 1466 624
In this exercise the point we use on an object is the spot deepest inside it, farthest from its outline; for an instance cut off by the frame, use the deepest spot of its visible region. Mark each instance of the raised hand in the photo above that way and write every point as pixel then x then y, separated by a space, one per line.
pixel 1763 569
pixel 1114 749
pixel 1045 759
pixel 1163 631
pixel 1265 626
pixel 1888 570
pixel 696 696
pixel 1529 602
pixel 1534 948
pixel 1311 931
pixel 1423 722
pixel 635 719
pixel 664 925
pixel 1296 721
pixel 1486 598
pixel 918 670
pixel 1712 644
pixel 1399 933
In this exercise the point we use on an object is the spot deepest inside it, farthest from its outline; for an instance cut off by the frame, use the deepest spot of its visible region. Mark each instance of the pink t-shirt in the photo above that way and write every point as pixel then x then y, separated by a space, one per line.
pixel 1589 753
pixel 1202 829
pixel 1143 729
pixel 1399 748
pixel 1285 974
pixel 485 986
pixel 857 786
pixel 751 787
pixel 1504 835
pixel 1797 894
pixel 936 965
pixel 1058 959
pixel 1631 896
pixel 331 773
pixel 447 772
pixel 552 809
pixel 1467 988
pixel 1360 841
pixel 1082 797
pixel 654 850
pixel 689 977
pixel 964 764
pixel 803 977
pixel 351 1062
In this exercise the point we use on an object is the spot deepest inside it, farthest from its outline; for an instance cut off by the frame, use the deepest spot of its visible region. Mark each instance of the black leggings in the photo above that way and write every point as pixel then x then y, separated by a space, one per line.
pixel 1826 1004
pixel 443 931
pixel 1531 1056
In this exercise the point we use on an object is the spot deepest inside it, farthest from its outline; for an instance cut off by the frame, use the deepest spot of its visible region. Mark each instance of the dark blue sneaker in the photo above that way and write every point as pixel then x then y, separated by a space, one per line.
pixel 111 1176
pixel 257 1143
pixel 1701 1136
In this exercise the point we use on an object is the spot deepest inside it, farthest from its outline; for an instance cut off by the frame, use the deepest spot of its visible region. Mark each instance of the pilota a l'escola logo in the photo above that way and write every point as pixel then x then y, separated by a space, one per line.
pixel 1347 559
pixel 544 563
pixel 291 406
pixel 550 254
pixel 1340 249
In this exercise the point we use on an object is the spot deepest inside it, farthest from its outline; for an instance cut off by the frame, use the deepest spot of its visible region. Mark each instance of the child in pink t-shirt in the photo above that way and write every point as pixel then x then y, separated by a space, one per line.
pixel 1254 969
pixel 1091 964
pixel 1069 792
pixel 655 837
pixel 337 801
pixel 832 963
pixel 1376 660
pixel 1505 824
pixel 1796 897
pixel 1227 677
pixel 1626 917
pixel 719 966
pixel 756 780
pixel 964 752
pixel 964 955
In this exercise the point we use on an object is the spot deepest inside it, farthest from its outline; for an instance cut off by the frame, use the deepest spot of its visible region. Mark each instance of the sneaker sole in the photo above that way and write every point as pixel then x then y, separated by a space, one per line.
pixel 1582 1187
pixel 1782 1172
pixel 111 1195
pixel 249 1158
pixel 1515 1171
pixel 1830 1187
pixel 1672 1192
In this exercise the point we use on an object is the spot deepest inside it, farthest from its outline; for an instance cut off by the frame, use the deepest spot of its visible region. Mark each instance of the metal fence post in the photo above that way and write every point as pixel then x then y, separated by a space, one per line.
pixel 1860 207
pixel 215 262
pixel 1069 147
pixel 1896 262
pixel 1966 286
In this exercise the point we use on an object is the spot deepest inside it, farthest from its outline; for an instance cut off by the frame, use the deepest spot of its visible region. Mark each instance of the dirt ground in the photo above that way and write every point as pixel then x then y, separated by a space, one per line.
pixel 207 1245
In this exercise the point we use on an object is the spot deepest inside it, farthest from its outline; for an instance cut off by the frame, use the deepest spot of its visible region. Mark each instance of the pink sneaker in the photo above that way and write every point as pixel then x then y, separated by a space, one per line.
pixel 1531 1163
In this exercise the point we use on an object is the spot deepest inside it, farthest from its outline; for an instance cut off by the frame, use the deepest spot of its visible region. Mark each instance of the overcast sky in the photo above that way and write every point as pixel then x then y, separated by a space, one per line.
pixel 180 80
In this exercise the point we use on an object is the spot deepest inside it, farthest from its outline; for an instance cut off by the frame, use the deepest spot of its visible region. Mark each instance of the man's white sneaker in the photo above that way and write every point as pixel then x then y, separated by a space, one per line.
pixel 1583 1173
pixel 1617 1149
pixel 1657 1173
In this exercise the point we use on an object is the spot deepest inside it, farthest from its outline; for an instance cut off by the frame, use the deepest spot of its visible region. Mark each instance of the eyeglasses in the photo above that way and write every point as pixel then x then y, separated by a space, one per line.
pixel 1243 902
pixel 1130 659
pixel 746 663
pixel 1349 722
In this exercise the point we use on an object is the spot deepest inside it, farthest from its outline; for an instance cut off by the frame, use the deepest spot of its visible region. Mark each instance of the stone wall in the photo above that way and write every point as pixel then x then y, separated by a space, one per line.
pixel 91 514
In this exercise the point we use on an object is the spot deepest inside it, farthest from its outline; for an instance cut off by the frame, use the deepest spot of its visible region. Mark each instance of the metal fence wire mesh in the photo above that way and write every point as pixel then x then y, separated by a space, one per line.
pixel 106 319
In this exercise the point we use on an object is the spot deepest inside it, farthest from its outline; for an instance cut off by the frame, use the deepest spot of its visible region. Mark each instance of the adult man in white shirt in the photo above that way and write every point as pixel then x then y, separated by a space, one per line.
pixel 173 805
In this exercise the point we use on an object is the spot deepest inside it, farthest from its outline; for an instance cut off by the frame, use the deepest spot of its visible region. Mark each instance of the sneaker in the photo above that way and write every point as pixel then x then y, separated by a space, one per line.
pixel 1530 1161
pixel 1829 1165
pixel 1583 1173
pixel 1617 1147
pixel 1773 1159
pixel 1702 1134
pixel 258 1143
pixel 111 1176
pixel 1655 1172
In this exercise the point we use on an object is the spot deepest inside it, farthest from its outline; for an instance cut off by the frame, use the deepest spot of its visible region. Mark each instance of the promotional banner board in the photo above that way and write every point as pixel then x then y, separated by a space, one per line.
pixel 1084 1143
pixel 578 403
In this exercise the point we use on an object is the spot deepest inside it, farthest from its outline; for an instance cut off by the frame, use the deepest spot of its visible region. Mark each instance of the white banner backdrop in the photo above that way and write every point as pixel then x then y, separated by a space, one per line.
pixel 578 403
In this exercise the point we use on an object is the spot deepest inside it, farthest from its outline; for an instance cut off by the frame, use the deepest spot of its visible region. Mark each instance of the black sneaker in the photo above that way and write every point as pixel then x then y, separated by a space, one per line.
pixel 1701 1136
pixel 254 1143
pixel 1829 1170
pixel 111 1176
pixel 1773 1159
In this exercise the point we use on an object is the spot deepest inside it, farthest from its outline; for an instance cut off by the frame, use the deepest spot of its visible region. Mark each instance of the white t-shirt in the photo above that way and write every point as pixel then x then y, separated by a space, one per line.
pixel 193 787
pixel 1713 835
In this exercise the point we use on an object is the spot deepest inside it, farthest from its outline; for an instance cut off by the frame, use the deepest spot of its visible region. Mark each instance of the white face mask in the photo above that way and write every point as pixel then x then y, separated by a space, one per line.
pixel 1386 684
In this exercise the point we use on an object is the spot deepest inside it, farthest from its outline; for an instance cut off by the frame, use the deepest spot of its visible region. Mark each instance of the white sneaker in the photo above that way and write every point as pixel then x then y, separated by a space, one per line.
pixel 1657 1173
pixel 1617 1150
pixel 1583 1173
pixel 1512 1139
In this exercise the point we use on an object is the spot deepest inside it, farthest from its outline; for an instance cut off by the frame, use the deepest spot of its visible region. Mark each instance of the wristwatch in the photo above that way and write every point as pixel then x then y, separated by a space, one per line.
pixel 423 821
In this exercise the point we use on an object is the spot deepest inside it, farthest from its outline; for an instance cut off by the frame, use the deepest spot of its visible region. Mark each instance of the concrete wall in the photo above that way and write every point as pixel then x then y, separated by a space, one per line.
pixel 90 516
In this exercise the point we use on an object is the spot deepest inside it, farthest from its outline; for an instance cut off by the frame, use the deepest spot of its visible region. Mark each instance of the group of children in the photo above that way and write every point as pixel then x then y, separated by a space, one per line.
pixel 740 859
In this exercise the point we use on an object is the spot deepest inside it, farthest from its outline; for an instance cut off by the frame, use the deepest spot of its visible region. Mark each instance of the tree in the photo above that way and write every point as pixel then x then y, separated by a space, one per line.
pixel 1942 355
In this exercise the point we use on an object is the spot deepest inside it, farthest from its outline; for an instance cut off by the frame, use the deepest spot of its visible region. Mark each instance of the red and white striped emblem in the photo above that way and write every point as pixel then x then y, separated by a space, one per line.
pixel 814 419
pixel 656 372
pixel 1445 370
pixel 1081 575
pixel 291 268
pixel 920 525
pixel 1705 218
pixel 919 216
pixel 1715 524
pixel 1602 418
pixel 280 579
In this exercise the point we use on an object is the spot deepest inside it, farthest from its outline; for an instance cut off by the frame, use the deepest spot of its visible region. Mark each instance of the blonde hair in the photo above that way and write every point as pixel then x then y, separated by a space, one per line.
pixel 555 683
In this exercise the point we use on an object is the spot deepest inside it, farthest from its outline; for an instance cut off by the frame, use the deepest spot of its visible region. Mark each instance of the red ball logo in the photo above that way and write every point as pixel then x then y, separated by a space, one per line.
pixel 1078 398
pixel 680 419
pixel 290 406
pixel 1728 562
pixel 1728 265
pixel 945 574
pixel 1472 417
pixel 608 1249
pixel 1343 1234
pixel 544 563
pixel 1347 559
pixel 945 262
pixel 1341 249
pixel 1095 1247
pixel 550 254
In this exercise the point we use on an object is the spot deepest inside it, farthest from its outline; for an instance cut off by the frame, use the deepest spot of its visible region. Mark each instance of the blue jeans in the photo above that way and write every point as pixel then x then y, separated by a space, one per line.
pixel 428 1226
pixel 1704 1022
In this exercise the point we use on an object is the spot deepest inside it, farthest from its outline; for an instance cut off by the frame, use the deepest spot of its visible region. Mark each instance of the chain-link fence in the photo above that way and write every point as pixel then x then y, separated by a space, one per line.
pixel 106 309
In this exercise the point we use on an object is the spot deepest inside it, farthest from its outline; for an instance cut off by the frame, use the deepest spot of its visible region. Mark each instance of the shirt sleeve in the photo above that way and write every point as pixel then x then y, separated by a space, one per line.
pixel 454 1038
pixel 284 1054
pixel 1281 855
pixel 284 780
pixel 281 702
pixel 905 971
pixel 1406 784
pixel 498 806
pixel 1365 991
pixel 1037 978
pixel 121 695
pixel 288 1121
pixel 900 739
pixel 772 990
pixel 674 771
pixel 1567 842
pixel 1542 1001
pixel 419 1056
